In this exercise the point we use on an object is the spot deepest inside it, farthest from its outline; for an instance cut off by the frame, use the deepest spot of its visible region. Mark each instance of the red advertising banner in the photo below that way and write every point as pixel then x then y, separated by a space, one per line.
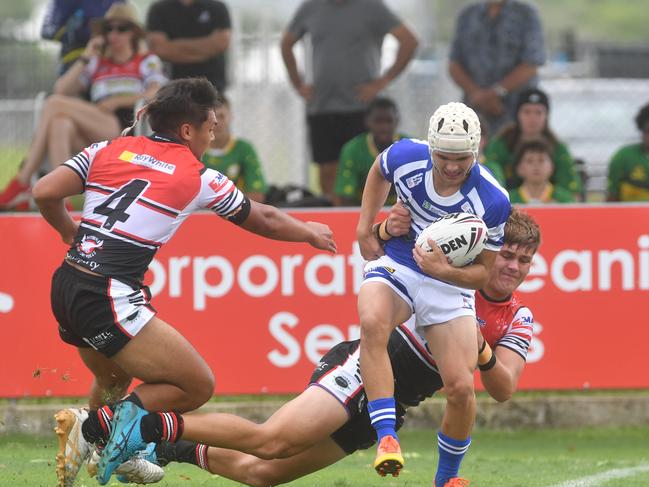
pixel 263 312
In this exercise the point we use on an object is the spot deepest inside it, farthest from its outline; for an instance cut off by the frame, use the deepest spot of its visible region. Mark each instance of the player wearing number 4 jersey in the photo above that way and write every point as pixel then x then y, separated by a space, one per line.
pixel 138 190
pixel 330 420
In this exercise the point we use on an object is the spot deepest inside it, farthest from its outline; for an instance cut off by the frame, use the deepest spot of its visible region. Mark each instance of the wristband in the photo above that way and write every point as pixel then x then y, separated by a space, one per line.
pixel 489 365
pixel 485 354
pixel 376 230
pixel 84 59
pixel 383 231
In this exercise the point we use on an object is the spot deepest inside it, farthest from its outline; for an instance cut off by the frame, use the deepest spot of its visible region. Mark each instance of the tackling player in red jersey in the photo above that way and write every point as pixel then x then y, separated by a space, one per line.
pixel 138 191
pixel 329 420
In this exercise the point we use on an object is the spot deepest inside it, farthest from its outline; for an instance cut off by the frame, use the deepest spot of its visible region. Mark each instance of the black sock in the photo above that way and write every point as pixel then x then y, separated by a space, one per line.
pixel 182 452
pixel 96 429
pixel 159 427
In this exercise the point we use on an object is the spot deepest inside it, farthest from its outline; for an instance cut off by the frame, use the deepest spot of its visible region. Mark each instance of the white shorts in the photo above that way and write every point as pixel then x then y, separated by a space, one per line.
pixel 431 301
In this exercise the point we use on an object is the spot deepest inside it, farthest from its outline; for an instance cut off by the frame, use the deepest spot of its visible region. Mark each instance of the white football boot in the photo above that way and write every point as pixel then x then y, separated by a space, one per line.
pixel 73 448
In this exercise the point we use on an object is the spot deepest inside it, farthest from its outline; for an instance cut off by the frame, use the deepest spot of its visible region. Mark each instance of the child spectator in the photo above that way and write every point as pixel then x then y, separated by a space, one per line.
pixel 235 157
pixel 532 123
pixel 357 155
pixel 628 171
pixel 533 165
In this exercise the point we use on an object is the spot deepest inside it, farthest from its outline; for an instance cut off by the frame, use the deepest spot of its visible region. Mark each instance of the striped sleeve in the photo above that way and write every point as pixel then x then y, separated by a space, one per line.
pixel 219 194
pixel 519 335
pixel 81 163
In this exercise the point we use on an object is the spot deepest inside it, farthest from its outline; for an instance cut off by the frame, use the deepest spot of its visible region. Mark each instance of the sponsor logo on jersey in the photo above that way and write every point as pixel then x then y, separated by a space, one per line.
pixel 146 160
pixel 217 183
pixel 414 180
pixel 89 245
pixel 342 382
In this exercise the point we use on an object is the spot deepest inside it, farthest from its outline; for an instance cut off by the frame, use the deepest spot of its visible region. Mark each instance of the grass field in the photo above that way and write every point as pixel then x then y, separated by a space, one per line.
pixel 546 458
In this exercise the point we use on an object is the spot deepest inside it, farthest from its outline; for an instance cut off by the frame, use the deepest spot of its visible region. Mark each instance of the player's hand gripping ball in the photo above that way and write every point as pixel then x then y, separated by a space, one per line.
pixel 461 236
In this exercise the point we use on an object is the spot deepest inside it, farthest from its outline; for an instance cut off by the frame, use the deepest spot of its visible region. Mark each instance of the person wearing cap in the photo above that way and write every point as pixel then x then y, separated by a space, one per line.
pixel 116 73
pixel 432 180
pixel 532 115
pixel 68 22
pixel 496 51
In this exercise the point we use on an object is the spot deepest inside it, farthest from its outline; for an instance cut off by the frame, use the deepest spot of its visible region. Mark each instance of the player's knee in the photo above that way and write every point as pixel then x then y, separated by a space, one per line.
pixel 375 328
pixel 277 448
pixel 203 388
pixel 459 391
pixel 54 104
pixel 261 473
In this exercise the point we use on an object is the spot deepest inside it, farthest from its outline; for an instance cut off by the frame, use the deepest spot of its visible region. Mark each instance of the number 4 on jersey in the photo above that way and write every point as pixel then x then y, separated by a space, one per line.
pixel 125 196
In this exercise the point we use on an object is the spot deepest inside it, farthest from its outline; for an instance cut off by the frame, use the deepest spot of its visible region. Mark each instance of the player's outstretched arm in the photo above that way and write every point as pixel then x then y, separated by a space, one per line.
pixel 49 193
pixel 500 370
pixel 268 221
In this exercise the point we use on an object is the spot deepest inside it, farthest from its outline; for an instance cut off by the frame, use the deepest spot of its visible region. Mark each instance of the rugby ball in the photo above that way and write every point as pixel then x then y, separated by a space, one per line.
pixel 461 236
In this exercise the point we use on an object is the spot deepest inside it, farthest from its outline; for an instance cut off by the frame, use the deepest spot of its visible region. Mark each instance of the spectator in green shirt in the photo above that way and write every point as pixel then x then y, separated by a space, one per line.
pixel 533 165
pixel 235 157
pixel 359 153
pixel 532 123
pixel 628 171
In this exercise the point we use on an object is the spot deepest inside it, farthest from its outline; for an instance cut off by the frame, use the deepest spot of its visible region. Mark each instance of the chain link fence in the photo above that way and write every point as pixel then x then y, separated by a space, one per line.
pixel 594 116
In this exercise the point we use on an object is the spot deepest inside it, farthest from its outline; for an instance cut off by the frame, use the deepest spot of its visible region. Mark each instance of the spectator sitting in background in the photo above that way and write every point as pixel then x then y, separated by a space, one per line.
pixel 117 75
pixel 533 165
pixel 67 21
pixel 496 51
pixel 234 157
pixel 494 167
pixel 358 155
pixel 628 171
pixel 532 123
pixel 346 37
pixel 191 35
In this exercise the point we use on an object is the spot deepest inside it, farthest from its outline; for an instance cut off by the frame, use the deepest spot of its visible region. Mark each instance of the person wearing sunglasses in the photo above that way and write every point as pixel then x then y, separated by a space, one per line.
pixel 115 73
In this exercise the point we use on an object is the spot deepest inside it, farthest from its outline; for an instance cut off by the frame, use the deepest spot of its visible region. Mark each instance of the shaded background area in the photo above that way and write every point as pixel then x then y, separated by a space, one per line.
pixel 596 75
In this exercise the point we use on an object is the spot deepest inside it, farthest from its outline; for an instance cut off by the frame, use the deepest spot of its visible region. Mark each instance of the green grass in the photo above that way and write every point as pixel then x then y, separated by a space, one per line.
pixel 496 458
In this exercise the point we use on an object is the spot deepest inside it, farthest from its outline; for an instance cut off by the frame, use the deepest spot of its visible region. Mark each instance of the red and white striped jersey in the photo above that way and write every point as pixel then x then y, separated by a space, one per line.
pixel 105 78
pixel 138 191
pixel 506 323
pixel 503 323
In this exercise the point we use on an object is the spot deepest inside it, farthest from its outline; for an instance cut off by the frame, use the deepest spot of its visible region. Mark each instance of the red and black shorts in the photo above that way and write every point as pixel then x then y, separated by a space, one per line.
pixel 98 311
pixel 338 373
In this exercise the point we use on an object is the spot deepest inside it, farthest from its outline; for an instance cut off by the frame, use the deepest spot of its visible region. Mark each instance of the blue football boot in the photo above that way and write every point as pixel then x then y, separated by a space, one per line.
pixel 125 440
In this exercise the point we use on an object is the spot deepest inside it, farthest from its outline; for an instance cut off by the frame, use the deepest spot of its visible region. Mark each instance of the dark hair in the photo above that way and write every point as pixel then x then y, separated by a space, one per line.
pixel 642 117
pixel 534 145
pixel 381 103
pixel 186 100
pixel 522 230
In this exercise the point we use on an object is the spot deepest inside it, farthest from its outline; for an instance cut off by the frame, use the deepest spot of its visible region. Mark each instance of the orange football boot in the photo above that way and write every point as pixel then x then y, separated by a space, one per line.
pixel 388 457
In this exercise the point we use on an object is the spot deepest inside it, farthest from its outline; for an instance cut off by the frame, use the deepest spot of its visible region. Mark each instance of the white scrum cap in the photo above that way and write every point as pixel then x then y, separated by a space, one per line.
pixel 454 127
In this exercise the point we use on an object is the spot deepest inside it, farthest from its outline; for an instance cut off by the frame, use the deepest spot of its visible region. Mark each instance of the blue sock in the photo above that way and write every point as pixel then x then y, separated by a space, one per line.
pixel 383 415
pixel 451 453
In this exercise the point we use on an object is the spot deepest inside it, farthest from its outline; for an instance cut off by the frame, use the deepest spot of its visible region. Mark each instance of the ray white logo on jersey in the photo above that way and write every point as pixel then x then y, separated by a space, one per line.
pixel 147 161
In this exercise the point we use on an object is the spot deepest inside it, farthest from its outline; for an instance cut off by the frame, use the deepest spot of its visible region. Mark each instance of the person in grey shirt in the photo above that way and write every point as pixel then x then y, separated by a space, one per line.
pixel 346 36
pixel 496 51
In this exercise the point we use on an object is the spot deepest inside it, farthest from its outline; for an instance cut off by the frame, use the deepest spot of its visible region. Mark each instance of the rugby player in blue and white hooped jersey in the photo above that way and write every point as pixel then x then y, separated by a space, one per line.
pixel 432 180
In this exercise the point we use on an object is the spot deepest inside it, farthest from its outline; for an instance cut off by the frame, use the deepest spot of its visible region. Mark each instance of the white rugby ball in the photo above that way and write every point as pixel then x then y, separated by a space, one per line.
pixel 461 236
